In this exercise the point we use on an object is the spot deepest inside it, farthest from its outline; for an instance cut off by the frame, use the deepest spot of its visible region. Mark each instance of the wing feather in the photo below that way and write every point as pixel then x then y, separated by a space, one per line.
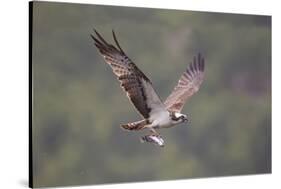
pixel 188 84
pixel 136 85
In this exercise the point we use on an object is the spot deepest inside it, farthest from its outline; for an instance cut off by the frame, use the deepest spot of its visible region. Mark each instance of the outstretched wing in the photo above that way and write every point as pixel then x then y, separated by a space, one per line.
pixel 188 84
pixel 137 86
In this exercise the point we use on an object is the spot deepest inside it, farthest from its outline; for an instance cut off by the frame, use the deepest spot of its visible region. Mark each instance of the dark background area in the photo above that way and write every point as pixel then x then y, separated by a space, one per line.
pixel 78 104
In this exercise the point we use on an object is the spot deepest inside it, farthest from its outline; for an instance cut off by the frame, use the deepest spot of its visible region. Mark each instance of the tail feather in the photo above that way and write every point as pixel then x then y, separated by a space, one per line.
pixel 138 125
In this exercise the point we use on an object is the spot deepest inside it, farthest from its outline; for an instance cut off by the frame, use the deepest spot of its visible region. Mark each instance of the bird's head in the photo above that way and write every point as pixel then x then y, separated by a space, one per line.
pixel 178 117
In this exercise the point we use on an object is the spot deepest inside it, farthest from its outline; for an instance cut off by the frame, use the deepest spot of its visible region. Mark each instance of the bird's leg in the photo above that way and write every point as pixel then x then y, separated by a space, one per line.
pixel 153 131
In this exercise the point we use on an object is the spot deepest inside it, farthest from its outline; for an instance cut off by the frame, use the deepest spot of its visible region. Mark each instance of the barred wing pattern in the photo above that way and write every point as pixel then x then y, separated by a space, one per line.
pixel 137 86
pixel 188 84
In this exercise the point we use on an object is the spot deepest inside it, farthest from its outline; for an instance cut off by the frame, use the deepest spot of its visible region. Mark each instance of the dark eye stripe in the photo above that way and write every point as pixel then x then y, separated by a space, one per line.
pixel 175 118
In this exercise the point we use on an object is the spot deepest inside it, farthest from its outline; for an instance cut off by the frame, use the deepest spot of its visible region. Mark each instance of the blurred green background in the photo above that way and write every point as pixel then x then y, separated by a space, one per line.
pixel 78 104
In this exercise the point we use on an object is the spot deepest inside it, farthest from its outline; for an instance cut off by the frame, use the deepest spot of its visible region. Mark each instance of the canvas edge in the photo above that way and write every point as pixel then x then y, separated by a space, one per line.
pixel 30 151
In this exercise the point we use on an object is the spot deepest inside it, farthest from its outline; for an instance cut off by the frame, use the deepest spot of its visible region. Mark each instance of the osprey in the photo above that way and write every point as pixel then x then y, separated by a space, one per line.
pixel 139 90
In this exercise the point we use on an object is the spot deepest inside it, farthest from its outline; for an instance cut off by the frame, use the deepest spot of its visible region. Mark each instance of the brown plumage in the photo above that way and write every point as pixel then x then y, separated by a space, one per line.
pixel 131 77
pixel 188 84
pixel 138 125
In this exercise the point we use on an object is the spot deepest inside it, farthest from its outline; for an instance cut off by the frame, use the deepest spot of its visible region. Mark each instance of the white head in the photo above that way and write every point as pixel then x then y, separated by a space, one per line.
pixel 178 117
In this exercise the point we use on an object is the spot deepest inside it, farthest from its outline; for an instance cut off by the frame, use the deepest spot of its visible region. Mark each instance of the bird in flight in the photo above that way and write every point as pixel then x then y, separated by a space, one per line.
pixel 156 114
